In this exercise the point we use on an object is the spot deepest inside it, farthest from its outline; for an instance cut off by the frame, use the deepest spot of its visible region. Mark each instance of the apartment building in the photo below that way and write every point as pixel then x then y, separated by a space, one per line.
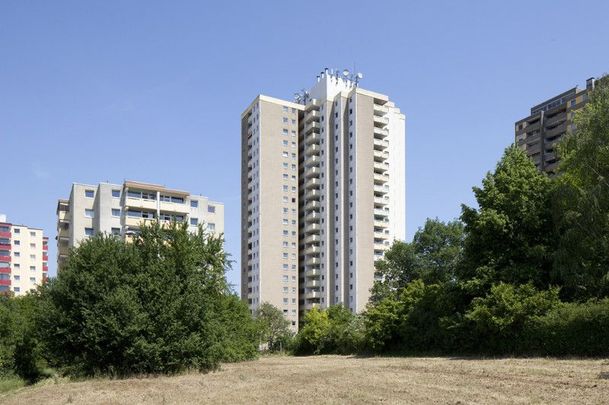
pixel 323 194
pixel 23 257
pixel 539 133
pixel 120 209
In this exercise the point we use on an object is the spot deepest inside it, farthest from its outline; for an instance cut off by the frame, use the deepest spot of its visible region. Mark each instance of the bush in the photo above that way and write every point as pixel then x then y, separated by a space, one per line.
pixel 19 347
pixel 158 305
pixel 571 329
pixel 332 331
pixel 497 322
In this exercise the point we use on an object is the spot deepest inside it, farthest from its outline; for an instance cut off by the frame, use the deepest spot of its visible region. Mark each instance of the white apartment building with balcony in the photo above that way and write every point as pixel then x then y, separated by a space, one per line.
pixel 120 209
pixel 323 195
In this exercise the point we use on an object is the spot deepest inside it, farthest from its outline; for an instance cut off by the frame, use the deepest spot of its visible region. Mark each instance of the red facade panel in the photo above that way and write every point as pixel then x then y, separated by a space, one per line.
pixel 5 282
pixel 5 235
pixel 6 259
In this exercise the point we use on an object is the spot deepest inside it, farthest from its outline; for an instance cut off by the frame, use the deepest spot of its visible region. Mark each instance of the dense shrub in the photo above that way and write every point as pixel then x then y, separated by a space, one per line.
pixel 571 329
pixel 332 331
pixel 19 346
pixel 158 305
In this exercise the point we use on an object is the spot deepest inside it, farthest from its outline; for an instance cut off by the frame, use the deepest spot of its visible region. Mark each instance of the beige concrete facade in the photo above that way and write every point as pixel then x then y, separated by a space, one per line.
pixel 542 130
pixel 23 258
pixel 351 193
pixel 120 209
pixel 270 205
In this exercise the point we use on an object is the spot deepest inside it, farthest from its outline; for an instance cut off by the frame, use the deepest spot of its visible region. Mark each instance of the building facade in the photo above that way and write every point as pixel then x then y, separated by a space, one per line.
pixel 120 209
pixel 539 133
pixel 23 257
pixel 323 195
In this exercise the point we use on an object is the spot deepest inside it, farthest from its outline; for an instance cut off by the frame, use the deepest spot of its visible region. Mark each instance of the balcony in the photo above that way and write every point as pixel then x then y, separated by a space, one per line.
pixel 141 203
pixel 381 201
pixel 380 224
pixel 5 235
pixel 312 127
pixel 312 184
pixel 381 189
pixel 313 172
pixel 380 178
pixel 312 116
pixel 311 250
pixel 308 295
pixel 175 207
pixel 380 144
pixel 380 246
pixel 5 282
pixel 380 109
pixel 380 156
pixel 313 104
pixel 312 138
pixel 381 167
pixel 312 161
pixel 5 259
pixel 380 120
pixel 381 213
pixel 381 133
pixel 312 283
pixel 312 205
pixel 312 261
pixel 312 238
pixel 5 247
pixel 45 268
pixel 312 228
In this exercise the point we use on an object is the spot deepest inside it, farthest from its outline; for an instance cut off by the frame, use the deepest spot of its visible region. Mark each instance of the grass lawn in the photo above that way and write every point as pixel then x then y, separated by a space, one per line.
pixel 342 379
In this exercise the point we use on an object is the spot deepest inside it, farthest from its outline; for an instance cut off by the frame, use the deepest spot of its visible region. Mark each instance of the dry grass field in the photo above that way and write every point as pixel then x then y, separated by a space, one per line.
pixel 346 380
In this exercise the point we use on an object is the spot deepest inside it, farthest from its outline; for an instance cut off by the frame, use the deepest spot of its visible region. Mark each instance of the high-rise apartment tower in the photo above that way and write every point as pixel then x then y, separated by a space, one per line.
pixel 323 194
pixel 120 210
pixel 548 122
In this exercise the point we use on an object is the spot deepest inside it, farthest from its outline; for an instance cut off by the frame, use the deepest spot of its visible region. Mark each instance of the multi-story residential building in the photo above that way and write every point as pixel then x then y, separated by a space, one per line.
pixel 539 133
pixel 120 210
pixel 23 257
pixel 323 195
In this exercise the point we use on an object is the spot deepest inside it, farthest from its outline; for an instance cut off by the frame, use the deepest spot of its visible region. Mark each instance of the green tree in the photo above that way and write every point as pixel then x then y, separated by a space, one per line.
pixel 509 238
pixel 274 328
pixel 439 246
pixel 160 304
pixel 433 256
pixel 310 338
pixel 582 202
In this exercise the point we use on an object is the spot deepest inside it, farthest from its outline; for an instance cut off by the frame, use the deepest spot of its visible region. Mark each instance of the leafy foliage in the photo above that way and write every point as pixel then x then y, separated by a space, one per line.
pixel 158 305
pixel 273 327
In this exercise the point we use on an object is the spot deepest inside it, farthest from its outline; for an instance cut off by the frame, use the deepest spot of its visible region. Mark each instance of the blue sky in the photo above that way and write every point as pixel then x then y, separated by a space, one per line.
pixel 149 90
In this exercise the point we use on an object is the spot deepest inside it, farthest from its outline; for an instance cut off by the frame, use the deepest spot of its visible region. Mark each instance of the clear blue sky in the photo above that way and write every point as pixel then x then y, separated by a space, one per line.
pixel 148 90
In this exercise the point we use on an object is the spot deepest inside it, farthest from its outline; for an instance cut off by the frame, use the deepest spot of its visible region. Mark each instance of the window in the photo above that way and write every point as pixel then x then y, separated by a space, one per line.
pixel 194 203
pixel 17 277
pixel 32 233
pixel 16 230
pixel 211 208
pixel 4 228
pixel 89 213
pixel 17 289
pixel 89 193
pixel 33 257
pixel 17 254
pixel 89 231
pixel 116 231
pixel 33 279
pixel 116 212
pixel 6 253
pixel 211 226
pixel 32 245
pixel 194 221
pixel 33 268
pixel 116 193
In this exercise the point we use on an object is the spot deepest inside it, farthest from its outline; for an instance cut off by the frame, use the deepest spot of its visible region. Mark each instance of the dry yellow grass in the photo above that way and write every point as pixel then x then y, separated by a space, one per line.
pixel 346 380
